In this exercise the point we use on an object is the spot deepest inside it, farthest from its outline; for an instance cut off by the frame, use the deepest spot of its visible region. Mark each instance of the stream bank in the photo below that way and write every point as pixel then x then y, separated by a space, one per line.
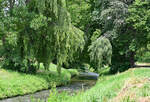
pixel 74 86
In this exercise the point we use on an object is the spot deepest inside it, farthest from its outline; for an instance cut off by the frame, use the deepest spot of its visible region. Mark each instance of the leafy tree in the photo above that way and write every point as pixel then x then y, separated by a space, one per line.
pixel 41 31
pixel 110 16
pixel 100 52
pixel 126 36
pixel 139 25
pixel 81 11
pixel 139 22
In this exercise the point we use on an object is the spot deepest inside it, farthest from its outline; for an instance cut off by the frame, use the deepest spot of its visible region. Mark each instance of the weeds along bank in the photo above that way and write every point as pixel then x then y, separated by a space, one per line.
pixel 110 88
pixel 14 83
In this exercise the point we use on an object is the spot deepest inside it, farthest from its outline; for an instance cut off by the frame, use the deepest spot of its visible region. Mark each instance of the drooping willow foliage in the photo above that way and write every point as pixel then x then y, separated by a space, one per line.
pixel 43 32
pixel 101 52
pixel 111 16
pixel 63 39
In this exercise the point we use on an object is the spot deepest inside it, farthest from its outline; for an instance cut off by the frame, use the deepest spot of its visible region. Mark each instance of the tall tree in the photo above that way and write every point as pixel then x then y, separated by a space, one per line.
pixel 139 25
pixel 111 16
pixel 98 50
pixel 44 32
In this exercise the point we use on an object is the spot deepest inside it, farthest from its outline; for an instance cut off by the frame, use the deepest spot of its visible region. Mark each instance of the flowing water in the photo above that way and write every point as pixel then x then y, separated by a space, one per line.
pixel 74 86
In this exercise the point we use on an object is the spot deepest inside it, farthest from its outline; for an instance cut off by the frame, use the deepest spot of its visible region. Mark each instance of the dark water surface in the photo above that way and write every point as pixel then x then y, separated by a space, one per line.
pixel 74 86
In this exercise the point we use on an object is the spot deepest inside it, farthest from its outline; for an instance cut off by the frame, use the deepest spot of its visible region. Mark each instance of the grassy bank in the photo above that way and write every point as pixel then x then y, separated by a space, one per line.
pixel 15 83
pixel 129 86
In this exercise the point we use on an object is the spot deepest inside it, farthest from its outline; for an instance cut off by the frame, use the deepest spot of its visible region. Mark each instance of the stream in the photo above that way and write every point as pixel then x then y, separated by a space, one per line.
pixel 74 86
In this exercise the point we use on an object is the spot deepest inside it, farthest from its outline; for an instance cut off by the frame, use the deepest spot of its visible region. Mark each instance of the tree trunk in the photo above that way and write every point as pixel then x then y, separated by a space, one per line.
pixel 132 60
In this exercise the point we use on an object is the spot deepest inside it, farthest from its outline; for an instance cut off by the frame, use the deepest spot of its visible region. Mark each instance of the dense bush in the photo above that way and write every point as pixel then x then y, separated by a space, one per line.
pixel 144 57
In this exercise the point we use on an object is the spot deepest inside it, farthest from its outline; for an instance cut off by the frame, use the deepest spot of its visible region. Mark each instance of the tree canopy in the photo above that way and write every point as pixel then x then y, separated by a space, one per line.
pixel 69 32
pixel 39 31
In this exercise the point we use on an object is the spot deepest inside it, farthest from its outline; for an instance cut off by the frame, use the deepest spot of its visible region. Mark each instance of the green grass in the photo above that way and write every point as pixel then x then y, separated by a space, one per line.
pixel 14 83
pixel 145 57
pixel 108 87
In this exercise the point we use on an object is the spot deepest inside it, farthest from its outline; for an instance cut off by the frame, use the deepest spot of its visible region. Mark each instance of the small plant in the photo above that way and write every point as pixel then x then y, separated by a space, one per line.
pixel 126 99
pixel 93 99
pixel 104 70
pixel 55 96
pixel 32 99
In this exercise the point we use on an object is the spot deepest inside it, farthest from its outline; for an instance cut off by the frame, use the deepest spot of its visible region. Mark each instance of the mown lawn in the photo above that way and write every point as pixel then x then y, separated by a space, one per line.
pixel 14 83
pixel 129 86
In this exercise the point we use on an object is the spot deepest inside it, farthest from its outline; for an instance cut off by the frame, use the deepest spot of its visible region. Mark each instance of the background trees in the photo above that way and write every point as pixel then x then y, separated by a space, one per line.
pixel 139 23
pixel 111 18
pixel 126 24
pixel 34 31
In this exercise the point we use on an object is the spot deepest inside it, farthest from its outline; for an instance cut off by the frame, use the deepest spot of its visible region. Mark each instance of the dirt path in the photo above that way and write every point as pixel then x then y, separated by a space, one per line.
pixel 145 65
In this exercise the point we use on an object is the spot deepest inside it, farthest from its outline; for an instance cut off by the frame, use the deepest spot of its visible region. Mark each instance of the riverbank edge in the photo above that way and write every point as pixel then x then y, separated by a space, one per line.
pixel 52 79
pixel 109 86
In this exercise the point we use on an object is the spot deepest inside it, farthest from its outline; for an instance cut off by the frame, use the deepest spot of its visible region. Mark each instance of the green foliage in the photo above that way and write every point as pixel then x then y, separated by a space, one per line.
pixel 104 71
pixel 81 15
pixel 110 17
pixel 145 57
pixel 121 53
pixel 100 52
pixel 73 72
pixel 139 21
pixel 96 35
pixel 34 31
pixel 55 96
pixel 126 24
pixel 39 32
pixel 39 21
pixel 109 87
pixel 80 12
pixel 21 84
pixel 63 39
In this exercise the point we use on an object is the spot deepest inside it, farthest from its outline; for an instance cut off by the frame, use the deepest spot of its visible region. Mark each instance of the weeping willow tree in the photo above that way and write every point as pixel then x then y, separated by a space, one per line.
pixel 111 17
pixel 100 52
pixel 54 35
pixel 44 32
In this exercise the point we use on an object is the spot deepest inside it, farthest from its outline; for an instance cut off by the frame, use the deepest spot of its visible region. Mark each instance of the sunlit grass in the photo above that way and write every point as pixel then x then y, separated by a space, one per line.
pixel 14 83
pixel 108 87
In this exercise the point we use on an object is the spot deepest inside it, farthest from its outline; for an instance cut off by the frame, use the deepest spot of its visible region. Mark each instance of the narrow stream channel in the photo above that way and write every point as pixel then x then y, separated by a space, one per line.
pixel 74 86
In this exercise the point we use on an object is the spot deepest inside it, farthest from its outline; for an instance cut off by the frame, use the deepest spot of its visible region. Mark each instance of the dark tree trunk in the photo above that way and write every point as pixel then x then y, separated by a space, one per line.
pixel 21 46
pixel 132 60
